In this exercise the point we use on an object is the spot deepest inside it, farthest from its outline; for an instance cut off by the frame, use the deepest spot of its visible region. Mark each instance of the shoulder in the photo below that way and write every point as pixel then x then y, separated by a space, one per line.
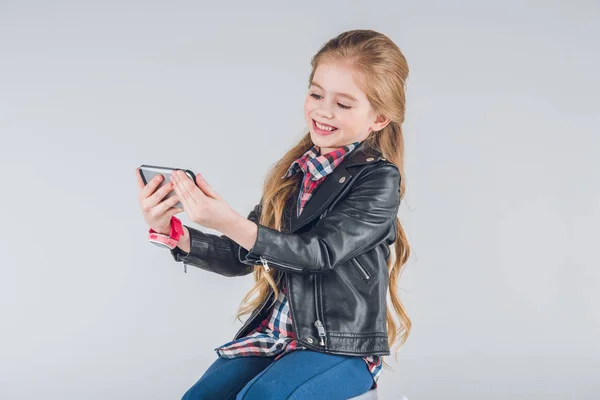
pixel 377 183
pixel 374 192
pixel 383 171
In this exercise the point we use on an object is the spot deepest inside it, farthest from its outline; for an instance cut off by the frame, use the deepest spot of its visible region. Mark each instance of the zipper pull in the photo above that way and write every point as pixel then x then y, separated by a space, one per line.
pixel 185 268
pixel 321 330
pixel 265 264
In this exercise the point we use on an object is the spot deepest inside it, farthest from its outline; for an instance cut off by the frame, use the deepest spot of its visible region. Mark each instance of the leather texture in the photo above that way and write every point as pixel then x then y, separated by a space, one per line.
pixel 333 257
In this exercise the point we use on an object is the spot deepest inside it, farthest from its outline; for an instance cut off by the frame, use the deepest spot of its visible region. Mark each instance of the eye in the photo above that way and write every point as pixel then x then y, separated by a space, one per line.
pixel 317 97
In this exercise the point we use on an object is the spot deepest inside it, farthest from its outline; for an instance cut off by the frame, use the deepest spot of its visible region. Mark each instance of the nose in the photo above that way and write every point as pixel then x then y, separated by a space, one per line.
pixel 324 111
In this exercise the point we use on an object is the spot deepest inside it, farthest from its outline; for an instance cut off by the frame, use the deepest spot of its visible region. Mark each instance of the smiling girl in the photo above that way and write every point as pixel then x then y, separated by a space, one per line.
pixel 319 242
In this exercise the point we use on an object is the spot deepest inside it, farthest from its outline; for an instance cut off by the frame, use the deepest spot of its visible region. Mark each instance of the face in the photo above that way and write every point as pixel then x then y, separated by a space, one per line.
pixel 335 100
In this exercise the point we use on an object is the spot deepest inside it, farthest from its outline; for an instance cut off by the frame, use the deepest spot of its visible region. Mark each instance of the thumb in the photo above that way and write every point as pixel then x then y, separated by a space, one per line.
pixel 206 188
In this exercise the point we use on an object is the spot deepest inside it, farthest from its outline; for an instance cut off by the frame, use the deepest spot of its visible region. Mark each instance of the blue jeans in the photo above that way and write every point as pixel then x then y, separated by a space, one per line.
pixel 300 374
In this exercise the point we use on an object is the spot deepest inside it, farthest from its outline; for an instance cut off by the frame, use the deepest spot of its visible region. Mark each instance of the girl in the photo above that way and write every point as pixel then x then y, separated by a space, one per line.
pixel 317 243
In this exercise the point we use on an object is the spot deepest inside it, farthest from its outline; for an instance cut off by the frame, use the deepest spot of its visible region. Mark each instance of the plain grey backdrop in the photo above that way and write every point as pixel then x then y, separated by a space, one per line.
pixel 502 207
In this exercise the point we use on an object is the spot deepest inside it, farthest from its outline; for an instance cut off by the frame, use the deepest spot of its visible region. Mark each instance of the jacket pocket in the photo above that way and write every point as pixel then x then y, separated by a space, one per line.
pixel 365 272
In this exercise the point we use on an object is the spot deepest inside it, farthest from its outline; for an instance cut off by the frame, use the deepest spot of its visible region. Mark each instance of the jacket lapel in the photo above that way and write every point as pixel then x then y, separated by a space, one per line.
pixel 333 183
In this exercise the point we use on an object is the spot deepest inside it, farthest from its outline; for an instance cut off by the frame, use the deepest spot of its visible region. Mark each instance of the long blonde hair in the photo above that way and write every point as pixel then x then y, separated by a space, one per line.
pixel 383 69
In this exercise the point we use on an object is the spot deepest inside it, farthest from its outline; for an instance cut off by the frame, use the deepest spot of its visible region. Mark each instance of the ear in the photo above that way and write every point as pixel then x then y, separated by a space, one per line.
pixel 380 123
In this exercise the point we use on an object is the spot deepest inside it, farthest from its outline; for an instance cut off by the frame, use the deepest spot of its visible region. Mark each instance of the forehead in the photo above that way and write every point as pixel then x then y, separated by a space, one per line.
pixel 338 78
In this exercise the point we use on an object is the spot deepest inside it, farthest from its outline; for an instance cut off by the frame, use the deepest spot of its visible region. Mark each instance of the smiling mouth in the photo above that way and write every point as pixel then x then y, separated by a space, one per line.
pixel 329 129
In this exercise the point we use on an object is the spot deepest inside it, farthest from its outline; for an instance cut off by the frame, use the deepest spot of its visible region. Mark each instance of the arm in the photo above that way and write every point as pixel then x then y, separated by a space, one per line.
pixel 358 223
pixel 218 254
pixel 184 241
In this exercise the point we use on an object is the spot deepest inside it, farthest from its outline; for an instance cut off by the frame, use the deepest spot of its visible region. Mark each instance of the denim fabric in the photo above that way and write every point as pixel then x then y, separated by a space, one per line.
pixel 299 375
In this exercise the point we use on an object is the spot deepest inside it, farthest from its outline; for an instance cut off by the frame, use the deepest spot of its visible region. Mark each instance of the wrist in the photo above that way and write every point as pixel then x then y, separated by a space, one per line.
pixel 185 241
pixel 242 231
pixel 229 222
pixel 169 239
pixel 165 231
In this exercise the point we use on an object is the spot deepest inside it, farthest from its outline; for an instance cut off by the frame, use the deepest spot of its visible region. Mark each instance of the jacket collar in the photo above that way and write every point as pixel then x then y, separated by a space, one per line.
pixel 362 155
pixel 333 184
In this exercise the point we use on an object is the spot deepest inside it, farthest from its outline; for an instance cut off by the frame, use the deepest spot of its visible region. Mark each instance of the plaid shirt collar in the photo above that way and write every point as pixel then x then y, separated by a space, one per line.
pixel 317 165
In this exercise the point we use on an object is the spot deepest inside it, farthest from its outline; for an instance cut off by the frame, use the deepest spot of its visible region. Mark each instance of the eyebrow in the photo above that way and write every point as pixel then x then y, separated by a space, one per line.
pixel 313 83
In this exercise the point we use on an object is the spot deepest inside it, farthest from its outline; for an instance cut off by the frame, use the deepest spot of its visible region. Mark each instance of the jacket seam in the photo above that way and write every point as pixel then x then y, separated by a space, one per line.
pixel 208 242
pixel 357 335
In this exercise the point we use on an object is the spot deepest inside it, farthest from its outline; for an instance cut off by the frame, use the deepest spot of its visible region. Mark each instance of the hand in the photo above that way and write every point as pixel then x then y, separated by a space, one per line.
pixel 157 213
pixel 201 203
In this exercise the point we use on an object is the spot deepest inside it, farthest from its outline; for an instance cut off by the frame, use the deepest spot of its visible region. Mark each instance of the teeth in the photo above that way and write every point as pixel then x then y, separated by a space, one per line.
pixel 325 128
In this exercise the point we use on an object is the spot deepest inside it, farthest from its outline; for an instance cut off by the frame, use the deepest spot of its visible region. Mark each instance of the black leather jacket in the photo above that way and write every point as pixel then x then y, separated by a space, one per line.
pixel 333 257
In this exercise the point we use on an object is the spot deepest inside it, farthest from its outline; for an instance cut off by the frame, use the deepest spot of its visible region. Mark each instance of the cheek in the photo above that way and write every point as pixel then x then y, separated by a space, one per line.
pixel 347 121
pixel 353 121
pixel 307 106
pixel 308 111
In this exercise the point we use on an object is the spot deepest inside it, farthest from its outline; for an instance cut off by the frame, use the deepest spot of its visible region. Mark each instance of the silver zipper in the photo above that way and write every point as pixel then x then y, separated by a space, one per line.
pixel 318 323
pixel 362 269
pixel 321 330
pixel 266 262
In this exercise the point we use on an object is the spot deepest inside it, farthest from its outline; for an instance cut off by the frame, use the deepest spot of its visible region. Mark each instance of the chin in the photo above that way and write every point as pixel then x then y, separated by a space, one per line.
pixel 318 141
pixel 321 140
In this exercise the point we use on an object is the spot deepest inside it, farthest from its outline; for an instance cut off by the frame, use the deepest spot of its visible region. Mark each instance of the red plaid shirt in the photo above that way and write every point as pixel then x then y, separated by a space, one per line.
pixel 274 336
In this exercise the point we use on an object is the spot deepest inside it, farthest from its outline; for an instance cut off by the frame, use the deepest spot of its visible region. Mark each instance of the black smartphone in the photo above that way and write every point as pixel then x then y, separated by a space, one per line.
pixel 148 172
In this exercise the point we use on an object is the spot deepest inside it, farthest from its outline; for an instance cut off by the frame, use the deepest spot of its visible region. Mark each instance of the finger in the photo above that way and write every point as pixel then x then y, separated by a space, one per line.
pixel 184 190
pixel 167 203
pixel 175 211
pixel 139 178
pixel 151 186
pixel 160 194
pixel 206 188
pixel 164 206
pixel 184 200
pixel 188 188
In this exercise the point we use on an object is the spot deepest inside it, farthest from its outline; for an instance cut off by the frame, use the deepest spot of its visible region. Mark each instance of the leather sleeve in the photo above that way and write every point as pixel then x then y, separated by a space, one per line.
pixel 356 224
pixel 214 253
